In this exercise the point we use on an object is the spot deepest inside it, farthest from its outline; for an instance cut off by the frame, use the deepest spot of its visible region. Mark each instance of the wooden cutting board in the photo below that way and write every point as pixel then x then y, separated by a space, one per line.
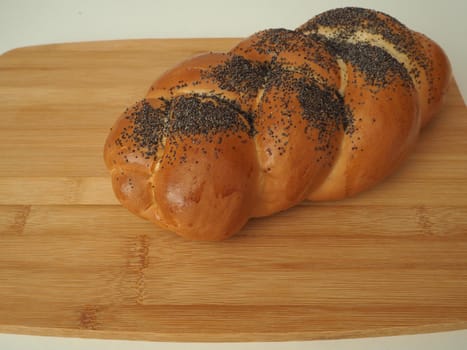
pixel 73 262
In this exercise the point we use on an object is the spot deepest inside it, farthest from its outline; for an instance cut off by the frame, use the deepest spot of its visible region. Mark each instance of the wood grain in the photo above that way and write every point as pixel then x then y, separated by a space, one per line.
pixel 73 262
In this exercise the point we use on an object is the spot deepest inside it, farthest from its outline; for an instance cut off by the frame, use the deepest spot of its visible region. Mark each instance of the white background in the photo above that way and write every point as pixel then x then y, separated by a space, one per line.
pixel 29 22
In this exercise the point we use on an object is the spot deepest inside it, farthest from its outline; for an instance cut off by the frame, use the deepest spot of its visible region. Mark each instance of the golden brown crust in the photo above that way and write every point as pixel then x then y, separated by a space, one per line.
pixel 432 90
pixel 208 194
pixel 187 77
pixel 293 157
pixel 386 125
pixel 320 113
pixel 424 60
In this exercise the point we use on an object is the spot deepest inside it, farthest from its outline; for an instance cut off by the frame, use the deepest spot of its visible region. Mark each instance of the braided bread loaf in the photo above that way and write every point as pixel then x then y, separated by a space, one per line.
pixel 321 113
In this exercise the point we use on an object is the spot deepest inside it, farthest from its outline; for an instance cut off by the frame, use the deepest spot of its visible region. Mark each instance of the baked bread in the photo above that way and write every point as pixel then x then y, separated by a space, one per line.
pixel 322 112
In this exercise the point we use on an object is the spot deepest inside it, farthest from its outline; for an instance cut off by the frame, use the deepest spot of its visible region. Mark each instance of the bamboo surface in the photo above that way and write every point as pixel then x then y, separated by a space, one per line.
pixel 73 262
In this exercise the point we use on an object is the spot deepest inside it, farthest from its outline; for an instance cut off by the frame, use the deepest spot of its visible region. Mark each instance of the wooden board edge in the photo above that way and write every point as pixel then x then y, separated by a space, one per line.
pixel 231 337
pixel 114 43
